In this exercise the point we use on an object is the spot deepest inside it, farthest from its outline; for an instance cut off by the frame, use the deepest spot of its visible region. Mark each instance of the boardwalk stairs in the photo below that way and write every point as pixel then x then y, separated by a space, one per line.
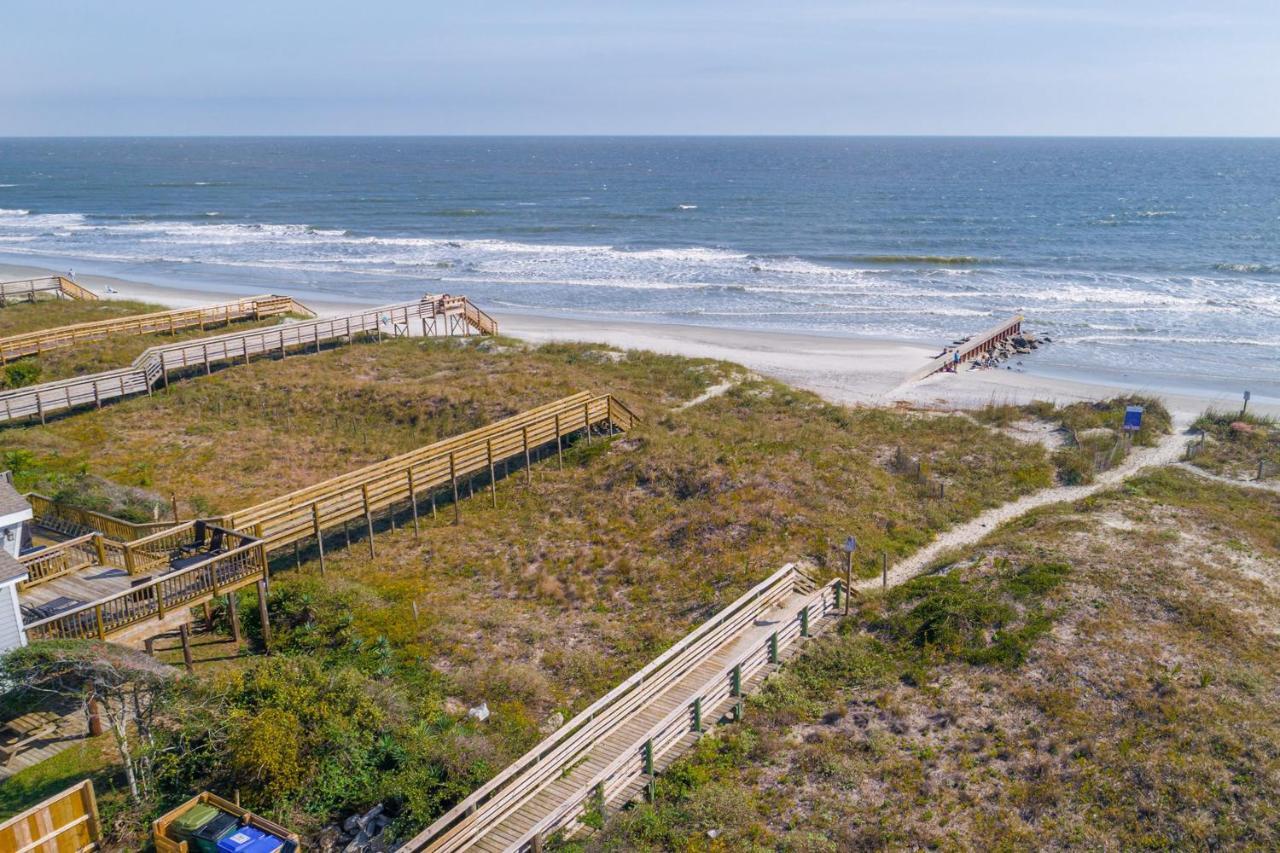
pixel 52 286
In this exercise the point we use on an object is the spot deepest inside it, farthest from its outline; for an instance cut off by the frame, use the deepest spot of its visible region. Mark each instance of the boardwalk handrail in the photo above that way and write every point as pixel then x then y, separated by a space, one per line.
pixel 978 344
pixel 637 761
pixel 459 827
pixel 439 315
pixel 156 322
pixel 359 494
pixel 25 289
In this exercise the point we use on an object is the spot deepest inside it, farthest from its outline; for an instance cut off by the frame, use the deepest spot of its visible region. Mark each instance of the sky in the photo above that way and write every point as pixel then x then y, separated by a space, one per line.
pixel 1071 67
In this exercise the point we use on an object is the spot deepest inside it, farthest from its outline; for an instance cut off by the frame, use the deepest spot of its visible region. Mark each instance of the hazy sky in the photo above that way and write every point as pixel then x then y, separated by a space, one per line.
pixel 1129 67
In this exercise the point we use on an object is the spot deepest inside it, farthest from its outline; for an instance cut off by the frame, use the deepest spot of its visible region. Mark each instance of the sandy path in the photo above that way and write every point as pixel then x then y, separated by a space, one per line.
pixel 1167 452
pixel 709 394
pixel 1266 486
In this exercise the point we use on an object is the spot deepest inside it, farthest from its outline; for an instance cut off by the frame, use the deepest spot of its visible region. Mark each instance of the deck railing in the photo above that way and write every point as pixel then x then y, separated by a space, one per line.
pixel 159 322
pixel 242 562
pixel 30 289
pixel 438 315
pixel 468 821
pixel 76 521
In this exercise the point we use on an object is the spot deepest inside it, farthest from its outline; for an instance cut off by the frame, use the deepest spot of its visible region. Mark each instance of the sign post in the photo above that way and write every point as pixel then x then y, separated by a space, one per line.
pixel 850 545
pixel 1245 407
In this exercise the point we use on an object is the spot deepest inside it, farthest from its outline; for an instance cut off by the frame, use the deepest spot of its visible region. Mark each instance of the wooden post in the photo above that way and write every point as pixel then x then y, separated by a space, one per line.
pixel 413 504
pixel 208 616
pixel 346 532
pixel 735 686
pixel 368 516
pixel 559 445
pixel 586 420
pixel 101 548
pixel 95 718
pixel 97 615
pixel 150 644
pixel 848 581
pixel 97 396
pixel 453 476
pixel 697 714
pixel 185 634
pixel 173 503
pixel 262 615
pixel 528 466
pixel 40 407
pixel 233 616
pixel 493 477
pixel 650 789
pixel 884 569
pixel 315 526
pixel 773 647
pixel 205 349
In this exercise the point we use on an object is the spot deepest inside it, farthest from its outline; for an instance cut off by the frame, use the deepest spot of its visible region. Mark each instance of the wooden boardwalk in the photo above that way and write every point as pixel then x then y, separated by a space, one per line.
pixel 610 752
pixel 158 322
pixel 102 588
pixel 51 286
pixel 432 315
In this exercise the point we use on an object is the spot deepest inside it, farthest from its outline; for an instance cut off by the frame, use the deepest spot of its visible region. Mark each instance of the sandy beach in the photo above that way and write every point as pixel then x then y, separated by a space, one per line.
pixel 845 369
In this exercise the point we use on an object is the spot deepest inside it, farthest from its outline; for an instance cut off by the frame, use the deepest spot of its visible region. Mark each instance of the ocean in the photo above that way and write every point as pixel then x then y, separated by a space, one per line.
pixel 1151 263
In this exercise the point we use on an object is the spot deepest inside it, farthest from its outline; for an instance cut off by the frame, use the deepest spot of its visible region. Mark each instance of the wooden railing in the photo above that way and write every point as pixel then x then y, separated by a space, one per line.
pixel 247 308
pixel 65 823
pixel 60 559
pixel 243 561
pixel 438 315
pixel 360 494
pixel 75 521
pixel 29 289
pixel 550 761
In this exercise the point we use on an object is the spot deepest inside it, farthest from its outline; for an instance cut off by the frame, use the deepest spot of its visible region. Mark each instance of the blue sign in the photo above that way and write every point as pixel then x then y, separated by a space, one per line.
pixel 1132 418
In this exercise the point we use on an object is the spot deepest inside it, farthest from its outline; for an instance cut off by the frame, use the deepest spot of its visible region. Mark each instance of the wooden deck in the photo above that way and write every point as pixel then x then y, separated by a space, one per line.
pixel 610 752
pixel 159 322
pixel 431 315
pixel 50 286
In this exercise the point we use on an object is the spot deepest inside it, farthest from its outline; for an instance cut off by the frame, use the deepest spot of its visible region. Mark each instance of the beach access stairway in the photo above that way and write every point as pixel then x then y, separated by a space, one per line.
pixel 431 316
pixel 51 286
pixel 105 586
pixel 158 322
pixel 976 347
pixel 610 752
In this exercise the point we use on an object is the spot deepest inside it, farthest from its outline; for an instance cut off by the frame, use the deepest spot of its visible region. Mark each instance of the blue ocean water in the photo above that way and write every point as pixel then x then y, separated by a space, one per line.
pixel 1151 262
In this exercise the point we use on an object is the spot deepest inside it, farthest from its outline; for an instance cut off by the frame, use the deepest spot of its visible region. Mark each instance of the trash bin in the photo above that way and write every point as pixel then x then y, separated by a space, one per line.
pixel 206 838
pixel 250 839
pixel 185 825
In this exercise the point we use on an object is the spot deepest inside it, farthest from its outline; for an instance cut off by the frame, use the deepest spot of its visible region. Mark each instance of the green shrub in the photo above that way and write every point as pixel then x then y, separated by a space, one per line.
pixel 22 373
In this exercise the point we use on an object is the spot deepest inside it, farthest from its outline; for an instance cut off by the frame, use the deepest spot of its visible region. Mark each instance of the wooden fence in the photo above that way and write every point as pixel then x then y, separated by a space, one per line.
pixel 64 823
pixel 556 758
pixel 440 315
pixel 358 495
pixel 159 322
pixel 30 289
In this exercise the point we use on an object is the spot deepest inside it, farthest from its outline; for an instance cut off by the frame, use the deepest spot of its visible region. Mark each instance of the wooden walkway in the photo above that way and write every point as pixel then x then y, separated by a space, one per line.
pixel 432 315
pixel 158 322
pixel 31 289
pixel 976 347
pixel 102 587
pixel 609 753
pixel 398 482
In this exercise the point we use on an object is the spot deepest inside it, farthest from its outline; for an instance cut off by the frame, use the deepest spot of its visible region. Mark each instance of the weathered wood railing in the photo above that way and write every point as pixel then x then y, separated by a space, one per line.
pixel 157 363
pixel 241 562
pixel 159 322
pixel 556 757
pixel 63 558
pixel 978 345
pixel 29 289
pixel 360 494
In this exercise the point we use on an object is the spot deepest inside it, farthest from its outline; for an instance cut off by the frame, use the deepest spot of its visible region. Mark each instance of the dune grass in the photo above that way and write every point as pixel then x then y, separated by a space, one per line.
pixel 1236 444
